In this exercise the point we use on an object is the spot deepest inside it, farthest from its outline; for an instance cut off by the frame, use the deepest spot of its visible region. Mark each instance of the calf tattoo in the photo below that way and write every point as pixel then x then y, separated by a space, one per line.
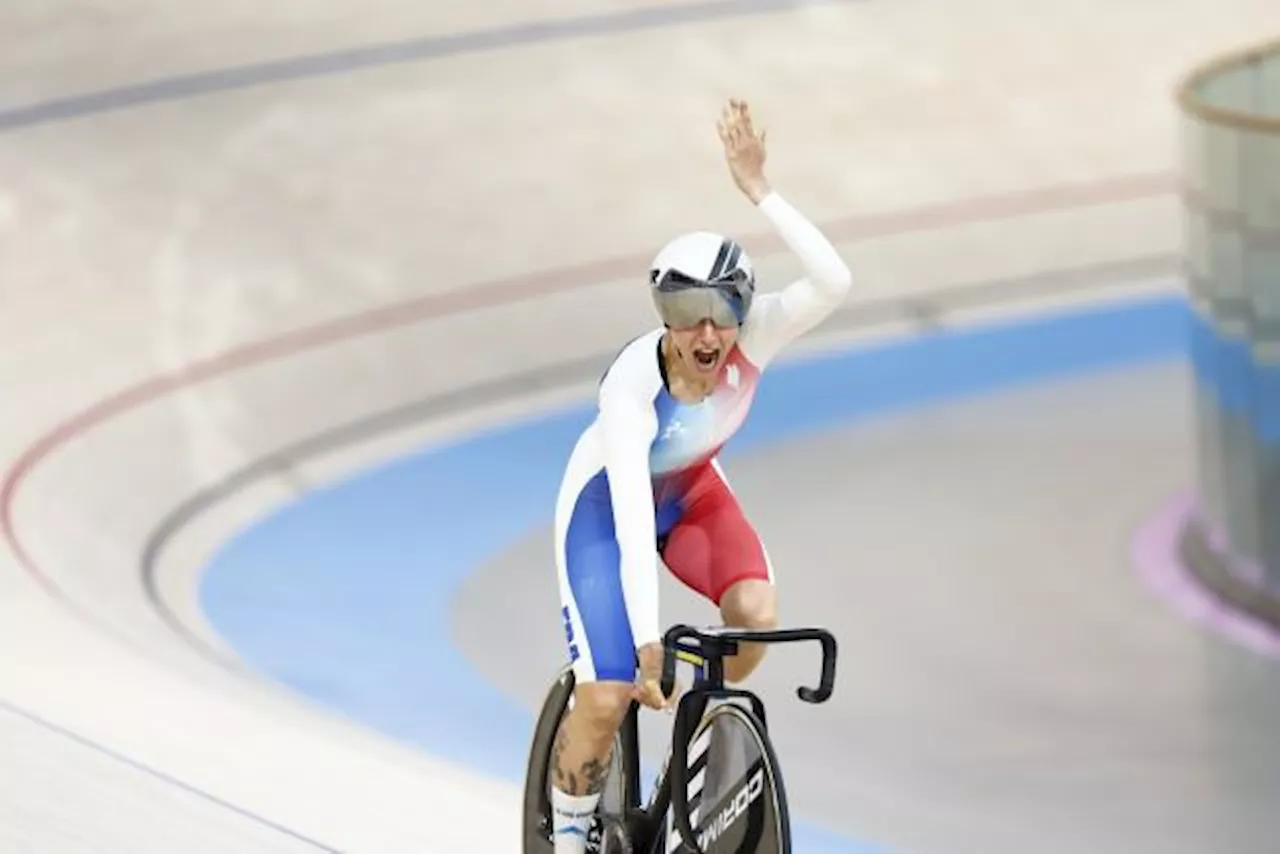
pixel 586 779
pixel 593 772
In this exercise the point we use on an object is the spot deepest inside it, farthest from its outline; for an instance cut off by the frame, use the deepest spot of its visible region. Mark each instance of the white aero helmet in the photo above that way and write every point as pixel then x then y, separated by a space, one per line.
pixel 702 275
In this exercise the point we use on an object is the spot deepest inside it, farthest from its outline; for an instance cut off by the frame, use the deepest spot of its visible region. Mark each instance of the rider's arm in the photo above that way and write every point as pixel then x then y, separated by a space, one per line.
pixel 627 425
pixel 776 319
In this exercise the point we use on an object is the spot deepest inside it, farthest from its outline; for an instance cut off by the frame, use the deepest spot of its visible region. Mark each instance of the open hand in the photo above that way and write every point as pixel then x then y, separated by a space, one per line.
pixel 744 149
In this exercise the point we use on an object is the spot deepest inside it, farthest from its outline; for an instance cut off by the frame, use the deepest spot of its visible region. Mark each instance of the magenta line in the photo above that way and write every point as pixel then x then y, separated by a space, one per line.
pixel 1159 565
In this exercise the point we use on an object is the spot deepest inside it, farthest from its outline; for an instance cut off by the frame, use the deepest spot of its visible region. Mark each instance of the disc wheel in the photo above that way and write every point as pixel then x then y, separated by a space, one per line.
pixel 737 803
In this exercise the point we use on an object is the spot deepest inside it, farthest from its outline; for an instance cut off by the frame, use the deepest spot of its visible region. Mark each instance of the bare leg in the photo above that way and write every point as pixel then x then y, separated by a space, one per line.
pixel 749 604
pixel 580 759
pixel 584 742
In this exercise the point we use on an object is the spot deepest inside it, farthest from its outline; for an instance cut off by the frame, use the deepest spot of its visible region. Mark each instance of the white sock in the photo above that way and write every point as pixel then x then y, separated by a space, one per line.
pixel 571 818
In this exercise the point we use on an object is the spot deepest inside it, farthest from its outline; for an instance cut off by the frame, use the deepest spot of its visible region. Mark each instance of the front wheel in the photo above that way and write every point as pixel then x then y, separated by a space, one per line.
pixel 737 803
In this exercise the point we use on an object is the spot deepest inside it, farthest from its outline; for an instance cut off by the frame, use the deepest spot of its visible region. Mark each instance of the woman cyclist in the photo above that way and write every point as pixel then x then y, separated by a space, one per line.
pixel 643 480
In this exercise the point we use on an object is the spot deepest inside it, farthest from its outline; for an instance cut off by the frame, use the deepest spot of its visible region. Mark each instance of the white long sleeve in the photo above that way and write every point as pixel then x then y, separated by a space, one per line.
pixel 627 425
pixel 779 318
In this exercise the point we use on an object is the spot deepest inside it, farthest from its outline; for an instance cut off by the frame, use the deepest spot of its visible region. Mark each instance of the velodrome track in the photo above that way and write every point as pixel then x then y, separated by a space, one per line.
pixel 231 282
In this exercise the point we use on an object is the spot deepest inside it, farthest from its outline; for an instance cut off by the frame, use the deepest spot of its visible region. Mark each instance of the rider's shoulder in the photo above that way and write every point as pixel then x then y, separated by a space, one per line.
pixel 636 367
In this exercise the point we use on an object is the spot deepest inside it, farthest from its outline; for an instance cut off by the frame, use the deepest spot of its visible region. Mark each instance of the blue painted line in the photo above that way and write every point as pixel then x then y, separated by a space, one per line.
pixel 1241 385
pixel 345 595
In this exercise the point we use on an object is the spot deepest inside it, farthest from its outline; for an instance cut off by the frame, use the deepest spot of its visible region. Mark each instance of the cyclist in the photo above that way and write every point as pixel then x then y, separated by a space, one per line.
pixel 643 479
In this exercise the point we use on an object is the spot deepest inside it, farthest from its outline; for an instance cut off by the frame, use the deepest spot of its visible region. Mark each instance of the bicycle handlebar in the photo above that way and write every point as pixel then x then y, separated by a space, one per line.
pixel 715 643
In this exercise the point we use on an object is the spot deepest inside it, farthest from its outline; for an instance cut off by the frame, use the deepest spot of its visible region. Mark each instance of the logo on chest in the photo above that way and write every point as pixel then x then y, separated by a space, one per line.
pixel 695 427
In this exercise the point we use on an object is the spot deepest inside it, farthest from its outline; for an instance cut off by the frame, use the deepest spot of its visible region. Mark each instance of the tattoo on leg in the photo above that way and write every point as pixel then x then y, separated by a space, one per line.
pixel 587 779
pixel 563 781
pixel 593 771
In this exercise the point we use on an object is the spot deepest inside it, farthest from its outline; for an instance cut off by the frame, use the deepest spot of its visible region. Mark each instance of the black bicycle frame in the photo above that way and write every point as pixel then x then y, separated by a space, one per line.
pixel 712 646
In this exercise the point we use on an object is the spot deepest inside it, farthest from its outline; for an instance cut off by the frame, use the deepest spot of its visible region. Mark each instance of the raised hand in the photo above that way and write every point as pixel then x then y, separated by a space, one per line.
pixel 744 150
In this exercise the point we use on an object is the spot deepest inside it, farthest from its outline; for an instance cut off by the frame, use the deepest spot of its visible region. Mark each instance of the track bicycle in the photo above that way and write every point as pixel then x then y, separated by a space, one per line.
pixel 720 790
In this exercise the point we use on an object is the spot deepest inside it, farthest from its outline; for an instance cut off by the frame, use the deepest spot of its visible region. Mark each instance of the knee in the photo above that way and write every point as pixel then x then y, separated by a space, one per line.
pixel 599 707
pixel 761 612
pixel 748 605
pixel 751 605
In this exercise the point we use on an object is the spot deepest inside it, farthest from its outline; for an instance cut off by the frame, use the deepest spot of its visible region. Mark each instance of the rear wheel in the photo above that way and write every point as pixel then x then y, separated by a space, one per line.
pixel 537 807
pixel 737 804
pixel 614 797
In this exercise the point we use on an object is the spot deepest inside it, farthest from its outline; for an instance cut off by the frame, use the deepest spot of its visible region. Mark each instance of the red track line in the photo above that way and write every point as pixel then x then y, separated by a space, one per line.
pixel 513 289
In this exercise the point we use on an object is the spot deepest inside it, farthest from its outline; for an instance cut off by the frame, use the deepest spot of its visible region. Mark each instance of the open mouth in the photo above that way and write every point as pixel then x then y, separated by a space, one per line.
pixel 706 357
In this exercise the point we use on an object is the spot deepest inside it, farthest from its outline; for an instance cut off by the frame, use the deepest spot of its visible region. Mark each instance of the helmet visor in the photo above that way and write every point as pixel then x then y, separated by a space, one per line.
pixel 684 303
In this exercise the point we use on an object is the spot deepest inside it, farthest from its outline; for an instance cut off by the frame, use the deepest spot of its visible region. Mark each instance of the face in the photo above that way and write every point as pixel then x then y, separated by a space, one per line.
pixel 702 349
